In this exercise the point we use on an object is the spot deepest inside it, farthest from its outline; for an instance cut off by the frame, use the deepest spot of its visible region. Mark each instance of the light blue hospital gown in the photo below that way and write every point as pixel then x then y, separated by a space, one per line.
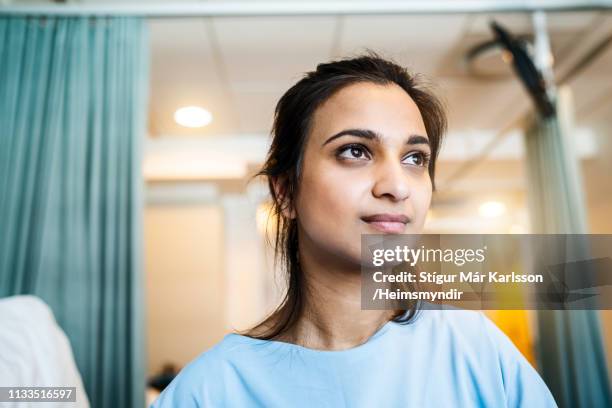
pixel 445 358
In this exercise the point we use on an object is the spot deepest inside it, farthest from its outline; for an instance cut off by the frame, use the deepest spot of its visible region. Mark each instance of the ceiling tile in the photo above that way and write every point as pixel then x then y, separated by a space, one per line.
pixel 272 48
pixel 416 42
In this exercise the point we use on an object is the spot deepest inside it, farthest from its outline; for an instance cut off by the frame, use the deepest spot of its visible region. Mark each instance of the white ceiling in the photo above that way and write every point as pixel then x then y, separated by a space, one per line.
pixel 238 67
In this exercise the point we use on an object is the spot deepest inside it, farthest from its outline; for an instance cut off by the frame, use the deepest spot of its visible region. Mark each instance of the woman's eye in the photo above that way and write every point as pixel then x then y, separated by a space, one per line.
pixel 417 159
pixel 353 152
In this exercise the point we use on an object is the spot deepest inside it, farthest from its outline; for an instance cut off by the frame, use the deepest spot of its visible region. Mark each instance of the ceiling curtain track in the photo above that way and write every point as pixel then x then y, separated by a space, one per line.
pixel 244 8
pixel 73 97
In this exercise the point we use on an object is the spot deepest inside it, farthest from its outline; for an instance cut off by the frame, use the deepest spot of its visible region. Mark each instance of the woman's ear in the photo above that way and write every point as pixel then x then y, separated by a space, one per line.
pixel 280 190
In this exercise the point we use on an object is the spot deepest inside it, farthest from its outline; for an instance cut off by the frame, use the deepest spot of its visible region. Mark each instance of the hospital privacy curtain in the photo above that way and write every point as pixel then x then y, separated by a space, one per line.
pixel 571 354
pixel 72 114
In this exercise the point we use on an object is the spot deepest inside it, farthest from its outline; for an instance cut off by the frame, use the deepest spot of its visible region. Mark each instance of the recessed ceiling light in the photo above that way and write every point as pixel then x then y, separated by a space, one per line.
pixel 192 117
pixel 491 209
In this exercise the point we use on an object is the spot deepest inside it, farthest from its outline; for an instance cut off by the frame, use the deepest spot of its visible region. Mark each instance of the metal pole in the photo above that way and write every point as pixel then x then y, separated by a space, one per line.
pixel 543 57
pixel 301 8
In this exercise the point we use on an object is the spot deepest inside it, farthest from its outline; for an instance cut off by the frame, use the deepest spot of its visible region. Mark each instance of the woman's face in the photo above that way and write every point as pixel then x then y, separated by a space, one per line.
pixel 365 170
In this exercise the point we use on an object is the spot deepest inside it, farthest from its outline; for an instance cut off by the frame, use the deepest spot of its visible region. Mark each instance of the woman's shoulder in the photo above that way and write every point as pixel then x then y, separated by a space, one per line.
pixel 231 346
pixel 471 339
pixel 463 331
pixel 472 328
pixel 197 381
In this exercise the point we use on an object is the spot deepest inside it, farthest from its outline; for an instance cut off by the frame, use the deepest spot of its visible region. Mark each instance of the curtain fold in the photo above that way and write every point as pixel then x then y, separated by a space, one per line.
pixel 570 349
pixel 73 95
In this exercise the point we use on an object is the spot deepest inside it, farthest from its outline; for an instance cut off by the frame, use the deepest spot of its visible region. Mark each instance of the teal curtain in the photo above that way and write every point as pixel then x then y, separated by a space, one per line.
pixel 73 97
pixel 570 349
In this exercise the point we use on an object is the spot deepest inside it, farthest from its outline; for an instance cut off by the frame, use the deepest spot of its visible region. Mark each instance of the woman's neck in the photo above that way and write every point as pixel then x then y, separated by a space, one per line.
pixel 332 317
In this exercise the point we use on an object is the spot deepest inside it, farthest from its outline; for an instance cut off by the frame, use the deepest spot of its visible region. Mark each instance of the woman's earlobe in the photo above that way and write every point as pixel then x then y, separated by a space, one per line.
pixel 286 209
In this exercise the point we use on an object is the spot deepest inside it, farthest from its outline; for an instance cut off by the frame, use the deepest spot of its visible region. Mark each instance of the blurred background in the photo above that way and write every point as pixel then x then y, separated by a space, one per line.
pixel 214 77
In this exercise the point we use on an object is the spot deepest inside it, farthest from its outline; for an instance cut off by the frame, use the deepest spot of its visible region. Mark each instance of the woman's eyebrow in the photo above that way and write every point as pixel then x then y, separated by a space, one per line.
pixel 372 135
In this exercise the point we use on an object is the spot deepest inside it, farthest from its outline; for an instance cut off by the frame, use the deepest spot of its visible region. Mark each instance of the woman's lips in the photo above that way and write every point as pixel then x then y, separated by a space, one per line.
pixel 388 226
pixel 390 223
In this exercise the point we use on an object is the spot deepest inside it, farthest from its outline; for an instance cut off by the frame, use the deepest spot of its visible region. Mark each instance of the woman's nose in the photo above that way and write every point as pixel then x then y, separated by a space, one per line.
pixel 391 181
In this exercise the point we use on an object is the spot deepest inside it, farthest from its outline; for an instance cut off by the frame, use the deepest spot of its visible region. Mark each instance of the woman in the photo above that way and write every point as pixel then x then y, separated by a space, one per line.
pixel 354 152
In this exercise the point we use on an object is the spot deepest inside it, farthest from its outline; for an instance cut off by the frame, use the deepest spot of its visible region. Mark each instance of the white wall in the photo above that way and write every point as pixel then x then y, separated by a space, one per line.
pixel 184 281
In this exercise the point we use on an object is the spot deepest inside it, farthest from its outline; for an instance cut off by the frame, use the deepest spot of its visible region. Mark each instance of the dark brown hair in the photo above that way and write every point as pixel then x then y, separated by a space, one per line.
pixel 292 123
